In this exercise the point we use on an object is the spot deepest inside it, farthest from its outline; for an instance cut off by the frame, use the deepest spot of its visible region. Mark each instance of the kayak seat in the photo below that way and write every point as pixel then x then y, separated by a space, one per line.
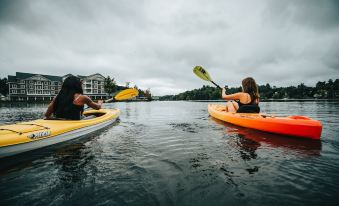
pixel 253 108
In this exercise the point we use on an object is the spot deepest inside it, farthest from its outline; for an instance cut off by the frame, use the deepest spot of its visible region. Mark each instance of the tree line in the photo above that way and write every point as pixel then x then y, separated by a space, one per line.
pixel 322 90
pixel 3 86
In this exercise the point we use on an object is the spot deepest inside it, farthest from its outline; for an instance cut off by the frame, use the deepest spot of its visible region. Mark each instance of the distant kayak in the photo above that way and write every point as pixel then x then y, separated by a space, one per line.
pixel 26 136
pixel 297 126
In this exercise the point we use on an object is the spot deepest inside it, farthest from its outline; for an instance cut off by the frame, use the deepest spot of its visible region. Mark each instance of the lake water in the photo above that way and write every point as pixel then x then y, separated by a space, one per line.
pixel 173 153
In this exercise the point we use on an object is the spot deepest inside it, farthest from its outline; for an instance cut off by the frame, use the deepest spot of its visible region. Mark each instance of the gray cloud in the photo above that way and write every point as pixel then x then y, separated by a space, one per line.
pixel 317 15
pixel 156 44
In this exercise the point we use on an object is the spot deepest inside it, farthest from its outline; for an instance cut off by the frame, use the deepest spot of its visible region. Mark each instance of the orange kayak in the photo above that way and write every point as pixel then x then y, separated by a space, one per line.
pixel 298 126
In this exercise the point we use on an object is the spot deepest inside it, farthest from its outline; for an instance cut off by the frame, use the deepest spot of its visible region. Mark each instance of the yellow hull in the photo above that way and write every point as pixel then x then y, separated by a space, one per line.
pixel 25 136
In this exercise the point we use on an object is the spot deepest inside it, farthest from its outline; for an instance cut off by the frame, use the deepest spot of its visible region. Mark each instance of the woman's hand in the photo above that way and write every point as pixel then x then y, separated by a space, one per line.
pixel 101 102
pixel 50 109
pixel 223 92
pixel 90 103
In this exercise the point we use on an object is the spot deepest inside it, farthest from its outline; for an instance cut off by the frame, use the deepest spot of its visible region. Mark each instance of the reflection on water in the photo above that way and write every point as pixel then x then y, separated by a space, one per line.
pixel 173 153
pixel 247 148
pixel 72 162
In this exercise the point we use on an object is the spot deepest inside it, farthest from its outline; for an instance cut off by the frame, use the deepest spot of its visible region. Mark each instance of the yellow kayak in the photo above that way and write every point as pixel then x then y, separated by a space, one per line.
pixel 26 136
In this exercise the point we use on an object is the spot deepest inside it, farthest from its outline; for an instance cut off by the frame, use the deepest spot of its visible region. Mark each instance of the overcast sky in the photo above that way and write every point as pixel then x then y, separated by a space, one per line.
pixel 156 44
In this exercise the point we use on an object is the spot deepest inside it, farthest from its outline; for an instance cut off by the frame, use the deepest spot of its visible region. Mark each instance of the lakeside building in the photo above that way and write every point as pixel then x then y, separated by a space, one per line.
pixel 40 87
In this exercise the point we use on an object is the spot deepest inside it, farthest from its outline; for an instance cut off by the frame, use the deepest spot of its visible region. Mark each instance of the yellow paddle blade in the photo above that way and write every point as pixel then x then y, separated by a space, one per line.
pixel 126 94
pixel 202 73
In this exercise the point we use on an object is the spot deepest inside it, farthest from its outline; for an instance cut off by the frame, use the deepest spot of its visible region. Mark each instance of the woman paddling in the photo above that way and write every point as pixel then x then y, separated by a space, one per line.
pixel 70 101
pixel 246 101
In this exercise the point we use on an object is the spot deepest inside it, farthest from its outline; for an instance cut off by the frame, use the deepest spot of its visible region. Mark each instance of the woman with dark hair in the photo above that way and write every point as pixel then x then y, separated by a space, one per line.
pixel 70 101
pixel 246 101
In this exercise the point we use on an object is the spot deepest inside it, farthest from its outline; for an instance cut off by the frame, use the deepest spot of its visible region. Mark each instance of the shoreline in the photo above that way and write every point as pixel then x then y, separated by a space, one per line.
pixel 262 100
pixel 276 100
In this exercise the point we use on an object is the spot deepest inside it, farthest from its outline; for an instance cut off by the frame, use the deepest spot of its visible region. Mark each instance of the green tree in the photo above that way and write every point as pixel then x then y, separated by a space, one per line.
pixel 110 85
pixel 3 86
pixel 330 88
pixel 336 84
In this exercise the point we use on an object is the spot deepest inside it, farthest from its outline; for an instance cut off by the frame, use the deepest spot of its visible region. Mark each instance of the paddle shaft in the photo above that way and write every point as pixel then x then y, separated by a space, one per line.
pixel 215 84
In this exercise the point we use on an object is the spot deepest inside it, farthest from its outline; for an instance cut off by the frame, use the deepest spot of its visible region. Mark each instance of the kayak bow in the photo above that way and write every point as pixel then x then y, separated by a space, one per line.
pixel 26 136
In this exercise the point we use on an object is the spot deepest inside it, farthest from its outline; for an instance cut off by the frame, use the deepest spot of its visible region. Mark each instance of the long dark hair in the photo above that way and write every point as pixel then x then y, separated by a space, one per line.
pixel 250 86
pixel 65 97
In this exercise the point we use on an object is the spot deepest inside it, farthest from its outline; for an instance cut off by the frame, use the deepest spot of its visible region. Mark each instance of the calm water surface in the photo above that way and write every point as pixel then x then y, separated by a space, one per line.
pixel 173 153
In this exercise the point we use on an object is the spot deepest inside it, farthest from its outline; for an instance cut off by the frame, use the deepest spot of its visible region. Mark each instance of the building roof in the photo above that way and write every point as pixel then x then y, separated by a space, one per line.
pixel 11 78
pixel 22 75
pixel 94 75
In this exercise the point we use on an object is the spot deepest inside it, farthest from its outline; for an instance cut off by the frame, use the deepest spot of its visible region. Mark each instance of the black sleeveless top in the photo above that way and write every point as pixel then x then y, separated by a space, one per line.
pixel 70 112
pixel 251 107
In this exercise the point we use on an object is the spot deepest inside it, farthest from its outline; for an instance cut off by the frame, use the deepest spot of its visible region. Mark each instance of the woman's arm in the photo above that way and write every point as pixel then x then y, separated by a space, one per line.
pixel 90 103
pixel 50 109
pixel 230 96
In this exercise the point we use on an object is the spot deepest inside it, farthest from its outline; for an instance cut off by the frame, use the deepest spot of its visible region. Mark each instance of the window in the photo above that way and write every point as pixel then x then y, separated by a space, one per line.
pixel 31 86
pixel 52 87
pixel 30 81
pixel 45 87
pixel 46 83
pixel 22 86
pixel 22 91
pixel 22 82
pixel 14 85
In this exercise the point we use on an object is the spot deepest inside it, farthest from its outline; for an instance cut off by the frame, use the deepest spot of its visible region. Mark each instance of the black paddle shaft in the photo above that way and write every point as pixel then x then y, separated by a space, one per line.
pixel 216 84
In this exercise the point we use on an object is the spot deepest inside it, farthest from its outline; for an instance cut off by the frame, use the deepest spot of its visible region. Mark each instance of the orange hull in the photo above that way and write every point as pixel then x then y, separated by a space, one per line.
pixel 298 126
